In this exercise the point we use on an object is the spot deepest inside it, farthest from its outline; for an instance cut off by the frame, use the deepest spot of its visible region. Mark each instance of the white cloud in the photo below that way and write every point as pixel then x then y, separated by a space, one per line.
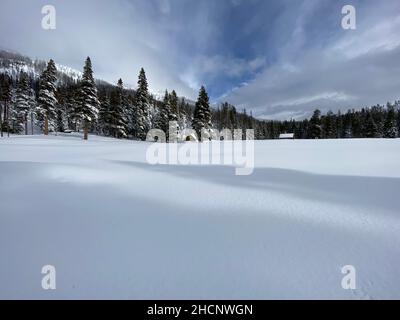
pixel 360 68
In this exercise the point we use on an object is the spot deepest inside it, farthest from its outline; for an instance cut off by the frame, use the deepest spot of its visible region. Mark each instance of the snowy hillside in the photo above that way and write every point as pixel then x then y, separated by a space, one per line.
pixel 116 227
pixel 13 63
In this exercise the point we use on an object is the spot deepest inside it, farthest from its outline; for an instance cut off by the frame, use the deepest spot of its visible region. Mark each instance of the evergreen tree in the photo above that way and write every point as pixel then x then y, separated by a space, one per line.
pixel 202 113
pixel 163 115
pixel 46 110
pixel 377 113
pixel 89 103
pixel 5 99
pixel 173 103
pixel 60 124
pixel 22 101
pixel 329 126
pixel 348 131
pixel 33 108
pixel 398 117
pixel 130 114
pixel 390 127
pixel 315 125
pixel 183 119
pixel 105 118
pixel 339 125
pixel 142 106
pixel 74 103
pixel 370 128
pixel 118 122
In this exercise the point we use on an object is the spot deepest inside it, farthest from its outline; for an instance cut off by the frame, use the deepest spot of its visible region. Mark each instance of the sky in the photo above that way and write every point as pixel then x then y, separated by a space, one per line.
pixel 279 59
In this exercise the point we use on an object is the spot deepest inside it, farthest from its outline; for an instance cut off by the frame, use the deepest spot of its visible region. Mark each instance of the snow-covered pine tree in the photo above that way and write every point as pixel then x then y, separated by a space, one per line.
pixel 33 107
pixel 118 123
pixel 370 127
pixel 163 115
pixel 142 105
pixel 61 122
pixel 329 125
pixel 22 102
pixel 202 113
pixel 173 103
pixel 5 101
pixel 339 125
pixel 104 118
pixel 130 114
pixel 74 103
pixel 397 107
pixel 89 103
pixel 348 131
pixel 46 109
pixel 390 126
pixel 60 119
pixel 13 114
pixel 183 119
pixel 315 125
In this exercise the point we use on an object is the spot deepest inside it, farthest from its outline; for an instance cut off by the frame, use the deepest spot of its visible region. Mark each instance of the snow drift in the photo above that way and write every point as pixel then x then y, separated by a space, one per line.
pixel 117 227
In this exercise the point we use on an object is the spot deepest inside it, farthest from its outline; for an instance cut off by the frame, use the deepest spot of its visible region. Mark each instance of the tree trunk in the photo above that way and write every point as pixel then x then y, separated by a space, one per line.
pixel 26 124
pixel 85 130
pixel 46 126
pixel 32 123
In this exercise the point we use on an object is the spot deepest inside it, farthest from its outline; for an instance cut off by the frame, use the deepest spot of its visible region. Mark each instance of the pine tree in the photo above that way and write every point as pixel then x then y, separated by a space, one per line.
pixel 74 107
pixel 22 101
pixel 105 118
pixel 315 125
pixel 61 122
pixel 329 125
pixel 398 116
pixel 89 103
pixel 348 130
pixel 390 127
pixel 339 126
pixel 60 125
pixel 46 111
pixel 5 98
pixel 202 113
pixel 33 107
pixel 14 120
pixel 183 119
pixel 370 128
pixel 142 106
pixel 163 115
pixel 118 123
pixel 173 102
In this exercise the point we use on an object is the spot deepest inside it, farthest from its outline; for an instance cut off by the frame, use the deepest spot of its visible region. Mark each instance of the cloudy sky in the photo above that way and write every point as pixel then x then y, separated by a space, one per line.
pixel 280 59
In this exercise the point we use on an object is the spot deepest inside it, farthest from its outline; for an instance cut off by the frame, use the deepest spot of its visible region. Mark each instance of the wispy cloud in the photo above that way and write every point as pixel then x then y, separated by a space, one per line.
pixel 277 58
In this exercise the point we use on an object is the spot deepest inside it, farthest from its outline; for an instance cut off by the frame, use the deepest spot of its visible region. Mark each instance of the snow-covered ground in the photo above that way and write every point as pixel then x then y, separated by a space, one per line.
pixel 116 227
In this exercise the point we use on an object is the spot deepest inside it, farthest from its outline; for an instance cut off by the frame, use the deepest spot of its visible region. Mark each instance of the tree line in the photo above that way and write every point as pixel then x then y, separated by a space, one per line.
pixel 57 105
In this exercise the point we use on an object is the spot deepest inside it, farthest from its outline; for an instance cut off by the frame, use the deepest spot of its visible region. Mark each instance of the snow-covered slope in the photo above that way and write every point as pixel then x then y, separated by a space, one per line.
pixel 116 227
pixel 13 63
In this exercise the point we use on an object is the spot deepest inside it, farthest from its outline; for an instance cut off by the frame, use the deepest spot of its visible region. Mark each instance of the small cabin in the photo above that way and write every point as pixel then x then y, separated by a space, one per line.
pixel 286 136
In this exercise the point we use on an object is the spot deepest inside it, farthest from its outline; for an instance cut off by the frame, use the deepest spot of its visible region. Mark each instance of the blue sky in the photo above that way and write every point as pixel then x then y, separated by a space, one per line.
pixel 280 59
